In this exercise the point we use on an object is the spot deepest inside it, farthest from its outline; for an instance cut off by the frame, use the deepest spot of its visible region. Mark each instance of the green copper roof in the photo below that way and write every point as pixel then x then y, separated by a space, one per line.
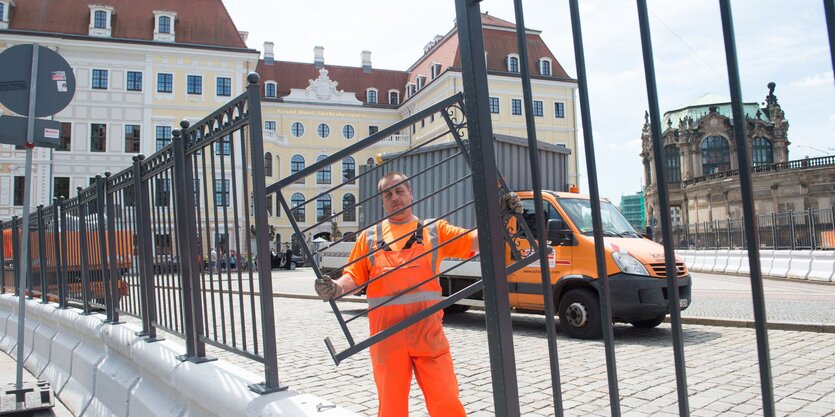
pixel 701 107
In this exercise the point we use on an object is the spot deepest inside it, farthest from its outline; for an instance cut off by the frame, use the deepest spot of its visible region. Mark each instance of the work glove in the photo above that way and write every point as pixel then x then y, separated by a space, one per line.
pixel 327 288
pixel 510 203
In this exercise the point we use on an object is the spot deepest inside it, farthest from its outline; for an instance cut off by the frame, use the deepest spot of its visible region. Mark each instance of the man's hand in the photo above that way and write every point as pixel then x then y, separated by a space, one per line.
pixel 327 288
pixel 510 203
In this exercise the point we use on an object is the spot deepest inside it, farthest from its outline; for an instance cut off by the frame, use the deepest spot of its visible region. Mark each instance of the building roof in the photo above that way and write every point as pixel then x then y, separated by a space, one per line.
pixel 499 41
pixel 198 22
pixel 700 107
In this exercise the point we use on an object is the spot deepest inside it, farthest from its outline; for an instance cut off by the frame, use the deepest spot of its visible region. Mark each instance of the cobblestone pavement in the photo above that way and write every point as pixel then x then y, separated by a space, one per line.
pixel 721 362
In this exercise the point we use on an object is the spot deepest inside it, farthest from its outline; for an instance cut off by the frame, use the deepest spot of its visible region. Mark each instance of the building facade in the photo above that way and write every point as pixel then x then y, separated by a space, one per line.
pixel 315 109
pixel 702 171
pixel 632 207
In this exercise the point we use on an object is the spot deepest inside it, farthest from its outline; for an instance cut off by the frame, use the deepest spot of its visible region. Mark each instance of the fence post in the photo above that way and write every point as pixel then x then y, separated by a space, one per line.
pixel 774 230
pixel 101 224
pixel 42 255
pixel 262 250
pixel 791 229
pixel 716 234
pixel 142 242
pixel 59 219
pixel 730 234
pixel 812 228
pixel 112 290
pixel 15 256
pixel 82 254
pixel 183 203
pixel 30 285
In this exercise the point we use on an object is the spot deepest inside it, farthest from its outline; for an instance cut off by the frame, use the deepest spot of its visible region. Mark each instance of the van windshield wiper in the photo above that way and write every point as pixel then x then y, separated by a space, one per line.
pixel 612 233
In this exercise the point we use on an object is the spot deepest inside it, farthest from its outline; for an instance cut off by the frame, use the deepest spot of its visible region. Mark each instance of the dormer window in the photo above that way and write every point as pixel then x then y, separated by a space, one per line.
pixel 394 97
pixel 270 88
pixel 410 90
pixel 435 70
pixel 421 81
pixel 513 63
pixel 371 95
pixel 5 9
pixel 164 25
pixel 101 20
pixel 544 66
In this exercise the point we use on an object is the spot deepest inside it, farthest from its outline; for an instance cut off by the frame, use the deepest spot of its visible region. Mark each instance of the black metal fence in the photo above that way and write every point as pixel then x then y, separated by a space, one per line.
pixel 811 229
pixel 167 240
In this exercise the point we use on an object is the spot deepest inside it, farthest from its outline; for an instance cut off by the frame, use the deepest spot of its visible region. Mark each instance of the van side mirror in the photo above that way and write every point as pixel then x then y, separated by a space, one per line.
pixel 559 233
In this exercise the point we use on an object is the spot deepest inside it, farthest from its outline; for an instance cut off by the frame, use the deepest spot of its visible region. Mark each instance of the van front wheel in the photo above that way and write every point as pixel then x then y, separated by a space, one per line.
pixel 579 312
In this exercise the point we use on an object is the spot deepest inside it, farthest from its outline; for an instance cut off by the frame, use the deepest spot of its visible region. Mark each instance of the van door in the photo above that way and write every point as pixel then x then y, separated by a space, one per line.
pixel 526 284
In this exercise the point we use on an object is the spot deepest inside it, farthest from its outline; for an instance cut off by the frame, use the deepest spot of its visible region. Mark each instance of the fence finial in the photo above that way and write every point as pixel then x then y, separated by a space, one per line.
pixel 253 78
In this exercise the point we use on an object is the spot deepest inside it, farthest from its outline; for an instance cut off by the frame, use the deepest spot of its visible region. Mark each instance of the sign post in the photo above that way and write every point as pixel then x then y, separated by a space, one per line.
pixel 20 92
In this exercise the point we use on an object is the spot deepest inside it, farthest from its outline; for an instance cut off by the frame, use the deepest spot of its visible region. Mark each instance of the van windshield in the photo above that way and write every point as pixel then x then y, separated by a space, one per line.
pixel 614 224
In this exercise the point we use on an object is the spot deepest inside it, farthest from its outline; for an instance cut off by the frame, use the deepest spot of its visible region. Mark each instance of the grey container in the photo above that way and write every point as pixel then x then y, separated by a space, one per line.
pixel 512 159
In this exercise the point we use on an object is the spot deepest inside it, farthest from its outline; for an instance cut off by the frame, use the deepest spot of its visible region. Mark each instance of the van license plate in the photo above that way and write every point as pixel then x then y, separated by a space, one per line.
pixel 683 302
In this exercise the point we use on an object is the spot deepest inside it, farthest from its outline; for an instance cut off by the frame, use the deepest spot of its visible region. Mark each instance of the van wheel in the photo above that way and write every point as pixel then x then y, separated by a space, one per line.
pixel 649 323
pixel 579 312
pixel 292 266
pixel 456 309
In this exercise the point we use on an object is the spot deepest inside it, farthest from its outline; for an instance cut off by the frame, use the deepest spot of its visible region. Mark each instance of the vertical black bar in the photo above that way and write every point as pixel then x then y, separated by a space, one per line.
pixel 262 239
pixel 829 11
pixel 488 217
pixel 183 200
pixel 536 182
pixel 101 229
pixel 664 215
pixel 82 254
pixel 748 212
pixel 56 245
pixel 144 234
pixel 111 291
pixel 42 255
pixel 811 227
pixel 65 276
pixel 15 256
pixel 774 230
pixel 30 284
pixel 597 223
pixel 239 234
pixel 791 230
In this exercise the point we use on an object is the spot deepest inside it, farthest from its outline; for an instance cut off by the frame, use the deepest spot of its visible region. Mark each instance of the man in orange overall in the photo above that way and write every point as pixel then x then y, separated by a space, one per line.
pixel 405 240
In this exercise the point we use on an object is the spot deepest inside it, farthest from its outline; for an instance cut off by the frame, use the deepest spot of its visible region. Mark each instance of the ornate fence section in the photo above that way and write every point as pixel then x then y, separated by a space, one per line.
pixel 167 240
pixel 812 229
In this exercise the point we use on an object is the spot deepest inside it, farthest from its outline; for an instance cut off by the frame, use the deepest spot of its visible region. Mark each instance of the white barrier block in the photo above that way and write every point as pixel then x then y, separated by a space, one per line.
pixel 115 376
pixel 800 264
pixel 745 264
pixel 734 261
pixel 689 258
pixel 10 341
pixel 720 261
pixel 78 392
pixel 57 372
pixel 710 260
pixel 766 261
pixel 698 260
pixel 40 358
pixel 822 267
pixel 781 264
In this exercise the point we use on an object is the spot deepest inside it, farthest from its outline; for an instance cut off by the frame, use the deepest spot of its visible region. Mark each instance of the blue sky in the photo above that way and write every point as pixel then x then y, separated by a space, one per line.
pixel 781 41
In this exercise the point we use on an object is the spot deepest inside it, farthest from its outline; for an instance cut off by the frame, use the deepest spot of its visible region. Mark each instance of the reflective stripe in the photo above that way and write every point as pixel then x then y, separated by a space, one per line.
pixel 405 299
pixel 433 241
pixel 370 238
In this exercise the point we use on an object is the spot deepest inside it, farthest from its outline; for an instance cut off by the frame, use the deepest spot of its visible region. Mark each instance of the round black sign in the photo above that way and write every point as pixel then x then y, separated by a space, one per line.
pixel 55 81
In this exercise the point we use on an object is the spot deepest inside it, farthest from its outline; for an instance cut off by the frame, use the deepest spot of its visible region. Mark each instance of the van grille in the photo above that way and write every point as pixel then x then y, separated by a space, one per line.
pixel 661 269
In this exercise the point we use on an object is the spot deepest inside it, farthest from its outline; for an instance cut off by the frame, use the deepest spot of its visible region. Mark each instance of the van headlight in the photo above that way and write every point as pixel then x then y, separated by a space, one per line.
pixel 628 264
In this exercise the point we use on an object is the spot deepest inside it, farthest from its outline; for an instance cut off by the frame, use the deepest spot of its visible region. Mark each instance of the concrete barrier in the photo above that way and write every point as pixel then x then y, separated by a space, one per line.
pixel 800 264
pixel 99 369
pixel 699 260
pixel 781 263
pixel 709 261
pixel 734 261
pixel 766 261
pixel 822 267
pixel 720 261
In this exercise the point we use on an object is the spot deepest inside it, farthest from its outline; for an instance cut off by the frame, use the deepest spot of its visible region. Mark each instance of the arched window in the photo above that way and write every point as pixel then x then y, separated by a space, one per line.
pixel 545 66
pixel 371 95
pixel 296 165
pixel 100 19
pixel 323 130
pixel 323 207
pixel 164 24
pixel 268 164
pixel 348 132
pixel 349 169
pixel 297 129
pixel 323 176
pixel 269 89
pixel 673 157
pixel 762 152
pixel 513 63
pixel 370 161
pixel 394 97
pixel 349 210
pixel 296 207
pixel 716 155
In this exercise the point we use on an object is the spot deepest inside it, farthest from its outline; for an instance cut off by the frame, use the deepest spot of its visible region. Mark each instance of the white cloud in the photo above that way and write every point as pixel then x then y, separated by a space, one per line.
pixel 815 80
